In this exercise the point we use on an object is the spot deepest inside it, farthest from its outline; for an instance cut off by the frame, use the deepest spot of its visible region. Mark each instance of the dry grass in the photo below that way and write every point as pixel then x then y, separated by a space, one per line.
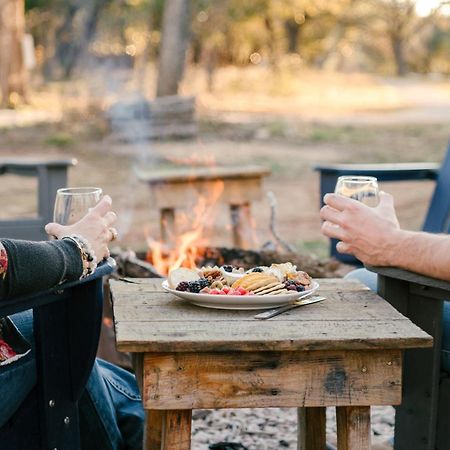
pixel 250 119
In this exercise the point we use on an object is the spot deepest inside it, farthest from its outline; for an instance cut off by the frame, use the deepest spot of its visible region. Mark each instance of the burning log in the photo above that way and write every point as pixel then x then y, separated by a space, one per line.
pixel 135 266
pixel 129 265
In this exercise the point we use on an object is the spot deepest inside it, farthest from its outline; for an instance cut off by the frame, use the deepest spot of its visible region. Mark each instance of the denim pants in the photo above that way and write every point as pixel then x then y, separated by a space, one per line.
pixel 370 280
pixel 111 412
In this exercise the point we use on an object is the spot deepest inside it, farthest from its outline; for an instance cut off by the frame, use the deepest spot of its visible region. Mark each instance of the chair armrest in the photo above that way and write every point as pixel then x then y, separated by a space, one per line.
pixel 19 304
pixel 411 277
pixel 384 172
pixel 30 167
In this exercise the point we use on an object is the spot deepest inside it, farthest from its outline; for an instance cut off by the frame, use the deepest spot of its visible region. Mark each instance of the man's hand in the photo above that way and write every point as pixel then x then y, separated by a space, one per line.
pixel 368 233
pixel 95 226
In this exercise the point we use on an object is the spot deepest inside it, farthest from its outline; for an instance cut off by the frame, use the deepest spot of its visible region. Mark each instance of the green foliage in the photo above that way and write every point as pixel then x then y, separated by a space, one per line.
pixel 372 35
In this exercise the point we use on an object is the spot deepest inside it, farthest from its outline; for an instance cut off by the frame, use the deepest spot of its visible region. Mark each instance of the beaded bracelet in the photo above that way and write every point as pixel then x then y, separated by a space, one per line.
pixel 87 254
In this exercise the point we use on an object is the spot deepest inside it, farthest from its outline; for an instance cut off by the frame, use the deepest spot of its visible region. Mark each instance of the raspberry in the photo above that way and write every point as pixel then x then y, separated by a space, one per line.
pixel 183 286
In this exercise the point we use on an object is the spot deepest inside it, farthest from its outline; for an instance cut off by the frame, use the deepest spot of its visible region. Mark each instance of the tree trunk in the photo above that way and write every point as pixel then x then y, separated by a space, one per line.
pixel 12 70
pixel 293 32
pixel 399 56
pixel 174 42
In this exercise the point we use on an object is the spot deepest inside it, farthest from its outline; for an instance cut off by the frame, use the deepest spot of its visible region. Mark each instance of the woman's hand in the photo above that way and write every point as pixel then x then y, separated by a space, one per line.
pixel 95 226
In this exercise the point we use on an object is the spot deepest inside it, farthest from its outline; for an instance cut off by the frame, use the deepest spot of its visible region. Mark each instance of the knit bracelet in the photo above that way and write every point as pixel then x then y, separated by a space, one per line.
pixel 87 254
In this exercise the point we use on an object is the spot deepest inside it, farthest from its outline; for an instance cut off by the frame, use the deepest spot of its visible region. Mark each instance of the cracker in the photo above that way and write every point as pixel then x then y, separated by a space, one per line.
pixel 260 284
pixel 271 285
pixel 275 288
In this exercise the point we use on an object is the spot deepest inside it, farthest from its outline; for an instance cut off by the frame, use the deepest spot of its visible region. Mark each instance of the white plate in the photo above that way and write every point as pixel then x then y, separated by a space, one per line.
pixel 239 301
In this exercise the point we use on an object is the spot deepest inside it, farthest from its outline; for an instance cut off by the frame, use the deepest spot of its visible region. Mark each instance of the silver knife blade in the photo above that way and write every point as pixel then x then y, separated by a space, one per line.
pixel 275 312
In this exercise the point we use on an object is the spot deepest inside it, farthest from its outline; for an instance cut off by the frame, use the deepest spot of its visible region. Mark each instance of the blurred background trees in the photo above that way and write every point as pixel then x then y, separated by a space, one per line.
pixel 389 37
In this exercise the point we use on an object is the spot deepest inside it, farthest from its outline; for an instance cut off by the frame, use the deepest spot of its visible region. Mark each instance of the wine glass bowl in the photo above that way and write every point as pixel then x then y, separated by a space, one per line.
pixel 361 188
pixel 71 204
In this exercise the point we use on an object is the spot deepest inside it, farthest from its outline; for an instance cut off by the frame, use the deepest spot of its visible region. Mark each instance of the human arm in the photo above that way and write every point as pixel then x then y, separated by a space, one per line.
pixel 374 236
pixel 33 266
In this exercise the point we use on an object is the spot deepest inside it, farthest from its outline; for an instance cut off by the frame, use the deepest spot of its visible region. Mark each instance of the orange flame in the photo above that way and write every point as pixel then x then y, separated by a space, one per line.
pixel 192 235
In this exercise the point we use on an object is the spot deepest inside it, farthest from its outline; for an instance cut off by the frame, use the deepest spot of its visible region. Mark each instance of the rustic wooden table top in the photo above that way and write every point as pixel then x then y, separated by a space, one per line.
pixel 148 319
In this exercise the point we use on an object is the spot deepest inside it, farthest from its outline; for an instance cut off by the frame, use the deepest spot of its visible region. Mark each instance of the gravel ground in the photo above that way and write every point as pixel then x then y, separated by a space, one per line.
pixel 274 428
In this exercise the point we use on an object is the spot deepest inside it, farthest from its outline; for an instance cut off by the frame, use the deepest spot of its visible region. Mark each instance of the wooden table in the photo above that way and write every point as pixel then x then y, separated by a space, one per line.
pixel 344 352
pixel 422 419
pixel 236 186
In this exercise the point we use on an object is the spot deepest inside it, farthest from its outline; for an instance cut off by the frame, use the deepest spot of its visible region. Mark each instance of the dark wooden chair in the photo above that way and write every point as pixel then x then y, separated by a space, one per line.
pixel 437 219
pixel 422 419
pixel 51 175
pixel 67 322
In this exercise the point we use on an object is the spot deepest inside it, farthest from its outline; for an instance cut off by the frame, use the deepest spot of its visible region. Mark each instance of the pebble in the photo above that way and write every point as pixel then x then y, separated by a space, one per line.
pixel 275 428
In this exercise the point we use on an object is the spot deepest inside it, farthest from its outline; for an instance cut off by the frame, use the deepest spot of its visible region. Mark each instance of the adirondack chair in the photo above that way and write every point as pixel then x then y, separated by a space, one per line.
pixel 437 218
pixel 421 421
pixel 67 322
pixel 51 175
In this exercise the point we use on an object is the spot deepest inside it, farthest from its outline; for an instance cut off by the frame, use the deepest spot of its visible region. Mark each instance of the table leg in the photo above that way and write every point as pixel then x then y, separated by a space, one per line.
pixel 153 429
pixel 353 427
pixel 168 430
pixel 167 224
pixel 312 428
pixel 241 225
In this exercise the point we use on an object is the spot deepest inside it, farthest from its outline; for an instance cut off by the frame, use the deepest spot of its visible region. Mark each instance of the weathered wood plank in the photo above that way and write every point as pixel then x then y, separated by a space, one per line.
pixel 173 336
pixel 405 275
pixel 353 427
pixel 176 432
pixel 312 429
pixel 206 173
pixel 271 379
pixel 326 284
pixel 161 307
pixel 153 433
pixel 178 195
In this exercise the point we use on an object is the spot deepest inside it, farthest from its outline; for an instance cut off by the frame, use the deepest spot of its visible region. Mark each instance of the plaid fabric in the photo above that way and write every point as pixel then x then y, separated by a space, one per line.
pixel 3 261
pixel 6 351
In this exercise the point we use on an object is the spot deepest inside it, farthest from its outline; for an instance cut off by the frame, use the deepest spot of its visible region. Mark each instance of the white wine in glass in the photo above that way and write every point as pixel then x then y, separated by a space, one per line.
pixel 72 204
pixel 363 189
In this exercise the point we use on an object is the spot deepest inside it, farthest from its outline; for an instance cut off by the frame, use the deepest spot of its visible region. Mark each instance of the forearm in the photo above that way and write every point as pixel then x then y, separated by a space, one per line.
pixel 424 253
pixel 36 266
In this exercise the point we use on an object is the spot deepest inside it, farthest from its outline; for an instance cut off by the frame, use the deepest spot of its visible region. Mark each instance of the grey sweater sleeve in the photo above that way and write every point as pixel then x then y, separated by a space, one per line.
pixel 36 266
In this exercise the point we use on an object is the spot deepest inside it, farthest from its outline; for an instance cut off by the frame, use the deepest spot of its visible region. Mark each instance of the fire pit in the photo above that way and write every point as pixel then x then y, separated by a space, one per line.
pixel 138 265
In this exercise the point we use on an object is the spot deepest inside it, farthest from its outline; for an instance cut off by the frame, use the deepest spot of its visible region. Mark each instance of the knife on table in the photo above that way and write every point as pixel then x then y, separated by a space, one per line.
pixel 275 312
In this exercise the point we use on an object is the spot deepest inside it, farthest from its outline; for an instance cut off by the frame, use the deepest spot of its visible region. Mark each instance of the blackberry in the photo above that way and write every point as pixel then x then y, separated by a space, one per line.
pixel 227 268
pixel 183 286
pixel 288 283
pixel 203 282
pixel 194 286
pixel 257 269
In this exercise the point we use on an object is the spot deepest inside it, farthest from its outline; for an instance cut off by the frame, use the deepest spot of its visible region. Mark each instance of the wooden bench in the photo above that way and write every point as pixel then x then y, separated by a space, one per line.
pixel 173 189
pixel 51 175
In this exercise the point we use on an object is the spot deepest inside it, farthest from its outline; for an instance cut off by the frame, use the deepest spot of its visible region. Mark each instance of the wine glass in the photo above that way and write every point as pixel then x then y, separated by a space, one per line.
pixel 72 204
pixel 361 188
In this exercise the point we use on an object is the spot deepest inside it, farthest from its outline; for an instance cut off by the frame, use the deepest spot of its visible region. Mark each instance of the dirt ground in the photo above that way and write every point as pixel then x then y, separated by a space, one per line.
pixel 290 144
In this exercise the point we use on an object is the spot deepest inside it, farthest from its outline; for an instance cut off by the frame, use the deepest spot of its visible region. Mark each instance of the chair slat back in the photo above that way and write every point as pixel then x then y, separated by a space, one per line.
pixel 438 216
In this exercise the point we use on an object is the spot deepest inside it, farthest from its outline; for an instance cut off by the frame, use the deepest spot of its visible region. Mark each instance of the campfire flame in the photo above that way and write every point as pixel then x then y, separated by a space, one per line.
pixel 183 246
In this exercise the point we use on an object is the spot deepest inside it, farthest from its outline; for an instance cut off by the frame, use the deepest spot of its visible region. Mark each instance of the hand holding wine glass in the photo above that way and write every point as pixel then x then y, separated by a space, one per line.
pixel 361 188
pixel 95 227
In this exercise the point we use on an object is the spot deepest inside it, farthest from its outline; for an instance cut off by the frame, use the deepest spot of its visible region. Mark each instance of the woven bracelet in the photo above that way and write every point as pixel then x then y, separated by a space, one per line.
pixel 87 254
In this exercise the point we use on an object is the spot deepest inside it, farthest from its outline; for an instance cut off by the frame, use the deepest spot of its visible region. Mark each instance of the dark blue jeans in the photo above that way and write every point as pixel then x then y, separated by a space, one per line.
pixel 370 280
pixel 111 412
